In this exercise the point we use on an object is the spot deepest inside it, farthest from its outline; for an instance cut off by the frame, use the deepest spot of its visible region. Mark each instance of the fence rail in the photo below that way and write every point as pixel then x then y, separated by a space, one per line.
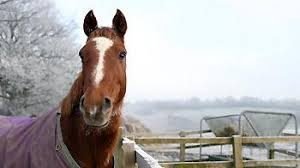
pixel 215 140
pixel 178 140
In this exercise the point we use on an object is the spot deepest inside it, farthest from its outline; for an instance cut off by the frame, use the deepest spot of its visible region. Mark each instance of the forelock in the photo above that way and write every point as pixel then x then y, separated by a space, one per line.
pixel 103 32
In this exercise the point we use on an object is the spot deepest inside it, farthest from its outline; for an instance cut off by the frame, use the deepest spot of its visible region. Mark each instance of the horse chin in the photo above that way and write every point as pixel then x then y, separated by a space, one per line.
pixel 97 126
pixel 94 125
pixel 95 129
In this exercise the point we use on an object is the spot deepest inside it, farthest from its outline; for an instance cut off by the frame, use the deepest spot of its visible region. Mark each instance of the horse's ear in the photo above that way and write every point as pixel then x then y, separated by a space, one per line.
pixel 90 23
pixel 119 23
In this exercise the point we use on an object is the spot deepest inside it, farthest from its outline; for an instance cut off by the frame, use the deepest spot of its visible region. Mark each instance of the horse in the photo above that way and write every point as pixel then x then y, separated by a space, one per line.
pixel 83 130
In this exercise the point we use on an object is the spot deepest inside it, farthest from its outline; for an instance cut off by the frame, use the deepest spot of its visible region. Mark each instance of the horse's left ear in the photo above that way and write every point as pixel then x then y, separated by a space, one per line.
pixel 119 23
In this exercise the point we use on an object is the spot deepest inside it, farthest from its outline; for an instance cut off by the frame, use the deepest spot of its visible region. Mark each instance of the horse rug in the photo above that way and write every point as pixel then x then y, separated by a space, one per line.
pixel 33 142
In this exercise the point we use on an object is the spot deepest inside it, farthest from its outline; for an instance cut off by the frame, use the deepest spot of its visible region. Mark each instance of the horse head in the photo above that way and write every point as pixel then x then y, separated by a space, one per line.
pixel 103 70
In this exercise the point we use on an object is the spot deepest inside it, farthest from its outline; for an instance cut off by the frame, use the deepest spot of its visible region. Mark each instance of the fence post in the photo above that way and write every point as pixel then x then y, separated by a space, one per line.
pixel 182 148
pixel 237 151
pixel 271 151
pixel 125 152
pixel 128 153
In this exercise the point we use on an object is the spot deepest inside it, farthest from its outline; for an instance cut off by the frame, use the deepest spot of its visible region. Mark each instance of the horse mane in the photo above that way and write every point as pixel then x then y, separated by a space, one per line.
pixel 71 101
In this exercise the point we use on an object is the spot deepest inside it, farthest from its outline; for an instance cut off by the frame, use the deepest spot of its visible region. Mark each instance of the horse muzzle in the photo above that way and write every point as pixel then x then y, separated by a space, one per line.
pixel 97 115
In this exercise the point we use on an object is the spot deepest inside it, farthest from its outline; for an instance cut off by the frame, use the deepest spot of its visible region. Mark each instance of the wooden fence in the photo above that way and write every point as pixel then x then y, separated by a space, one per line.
pixel 236 141
pixel 130 155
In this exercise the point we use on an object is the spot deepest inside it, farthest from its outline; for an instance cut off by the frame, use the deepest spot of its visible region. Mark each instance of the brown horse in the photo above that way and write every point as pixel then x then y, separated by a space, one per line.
pixel 91 112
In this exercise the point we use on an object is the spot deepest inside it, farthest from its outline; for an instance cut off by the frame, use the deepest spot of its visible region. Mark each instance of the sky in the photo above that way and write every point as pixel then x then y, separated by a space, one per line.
pixel 203 48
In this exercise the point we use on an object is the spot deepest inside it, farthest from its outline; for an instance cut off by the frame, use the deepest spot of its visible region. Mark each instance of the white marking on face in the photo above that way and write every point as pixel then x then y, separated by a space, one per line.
pixel 102 45
pixel 93 112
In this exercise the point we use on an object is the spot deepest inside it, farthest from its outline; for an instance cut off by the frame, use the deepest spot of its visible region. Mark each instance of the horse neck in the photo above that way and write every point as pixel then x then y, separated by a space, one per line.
pixel 90 149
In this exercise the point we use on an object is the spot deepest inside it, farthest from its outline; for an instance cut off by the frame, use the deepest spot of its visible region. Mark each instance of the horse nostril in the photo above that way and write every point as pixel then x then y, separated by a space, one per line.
pixel 106 103
pixel 107 100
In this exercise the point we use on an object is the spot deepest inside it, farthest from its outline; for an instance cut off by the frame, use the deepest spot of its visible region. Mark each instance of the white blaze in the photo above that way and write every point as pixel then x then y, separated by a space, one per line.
pixel 102 45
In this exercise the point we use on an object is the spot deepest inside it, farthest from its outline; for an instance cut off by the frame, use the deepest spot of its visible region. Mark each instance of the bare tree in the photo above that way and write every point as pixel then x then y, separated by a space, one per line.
pixel 37 56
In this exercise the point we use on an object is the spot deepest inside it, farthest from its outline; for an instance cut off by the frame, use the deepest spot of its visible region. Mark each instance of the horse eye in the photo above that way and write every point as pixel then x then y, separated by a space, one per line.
pixel 122 55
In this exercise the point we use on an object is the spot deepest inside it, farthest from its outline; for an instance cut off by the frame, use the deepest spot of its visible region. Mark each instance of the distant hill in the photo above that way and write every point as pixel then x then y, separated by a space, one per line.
pixel 134 126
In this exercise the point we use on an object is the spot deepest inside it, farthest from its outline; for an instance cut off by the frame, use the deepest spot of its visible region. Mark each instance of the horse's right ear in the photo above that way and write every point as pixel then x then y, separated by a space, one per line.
pixel 90 23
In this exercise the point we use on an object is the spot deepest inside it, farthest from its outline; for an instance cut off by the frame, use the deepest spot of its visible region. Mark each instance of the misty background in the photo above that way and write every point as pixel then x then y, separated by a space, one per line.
pixel 185 60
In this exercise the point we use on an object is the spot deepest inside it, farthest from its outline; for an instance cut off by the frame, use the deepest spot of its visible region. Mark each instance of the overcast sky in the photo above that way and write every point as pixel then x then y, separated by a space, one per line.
pixel 204 48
